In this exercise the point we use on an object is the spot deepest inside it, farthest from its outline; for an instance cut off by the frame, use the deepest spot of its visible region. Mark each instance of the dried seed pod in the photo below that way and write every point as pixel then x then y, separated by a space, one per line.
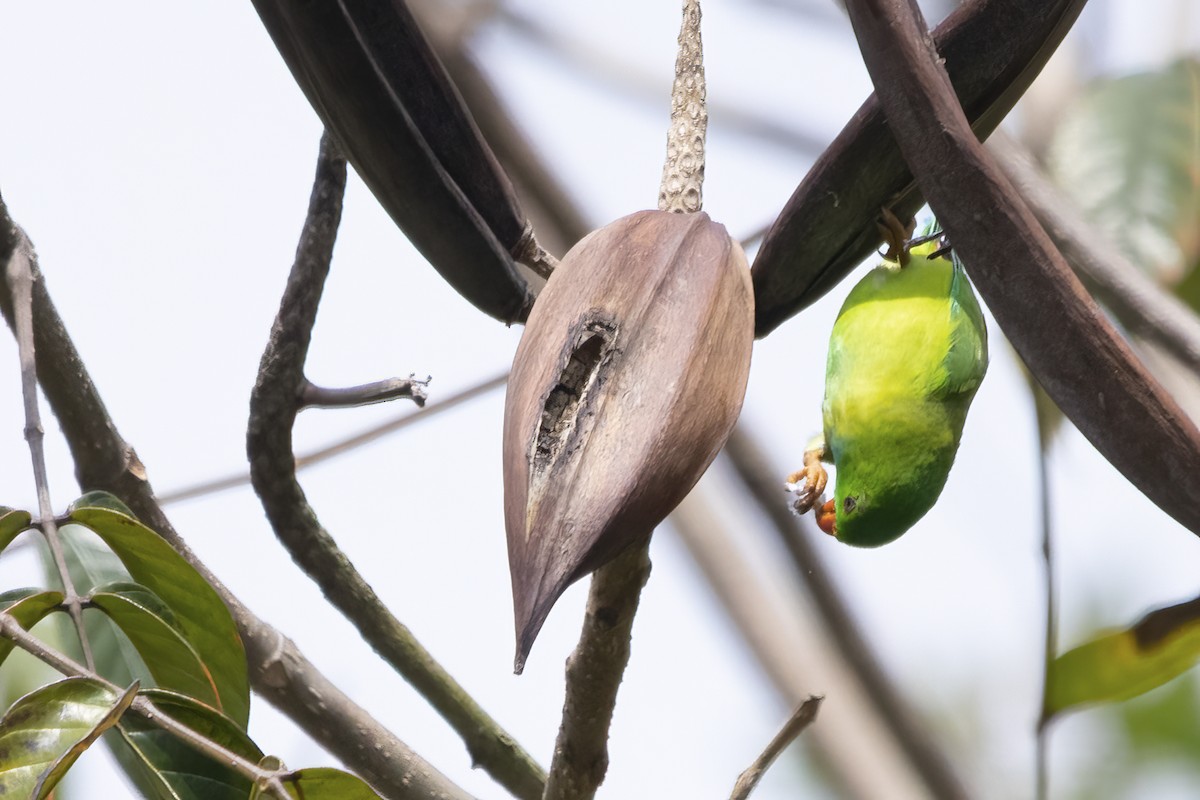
pixel 626 383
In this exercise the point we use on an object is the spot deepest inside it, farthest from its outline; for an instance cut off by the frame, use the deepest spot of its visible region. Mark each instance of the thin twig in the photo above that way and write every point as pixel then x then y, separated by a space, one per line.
pixel 910 735
pixel 279 671
pixel 20 281
pixel 346 445
pixel 594 673
pixel 11 629
pixel 1043 408
pixel 770 614
pixel 313 396
pixel 274 404
pixel 748 780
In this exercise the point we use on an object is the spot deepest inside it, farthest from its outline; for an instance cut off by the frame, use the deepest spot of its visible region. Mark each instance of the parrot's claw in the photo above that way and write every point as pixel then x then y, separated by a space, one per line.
pixel 895 234
pixel 807 483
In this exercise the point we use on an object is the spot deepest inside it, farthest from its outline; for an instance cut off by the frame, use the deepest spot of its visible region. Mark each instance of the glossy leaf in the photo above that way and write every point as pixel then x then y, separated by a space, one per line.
pixel 92 564
pixel 324 783
pixel 98 499
pixel 1126 153
pixel 166 768
pixel 44 732
pixel 172 661
pixel 199 612
pixel 1118 665
pixel 12 522
pixel 28 607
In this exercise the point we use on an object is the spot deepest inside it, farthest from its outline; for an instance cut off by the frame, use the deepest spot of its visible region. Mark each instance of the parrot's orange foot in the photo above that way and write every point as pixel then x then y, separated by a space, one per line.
pixel 807 483
pixel 827 517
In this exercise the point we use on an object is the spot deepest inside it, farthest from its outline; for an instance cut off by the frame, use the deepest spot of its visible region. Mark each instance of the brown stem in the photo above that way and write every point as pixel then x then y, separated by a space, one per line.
pixel 594 673
pixel 20 277
pixel 804 716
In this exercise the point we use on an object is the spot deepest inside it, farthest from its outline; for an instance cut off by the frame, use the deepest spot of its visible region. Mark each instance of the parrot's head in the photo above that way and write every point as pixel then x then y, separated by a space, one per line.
pixel 864 518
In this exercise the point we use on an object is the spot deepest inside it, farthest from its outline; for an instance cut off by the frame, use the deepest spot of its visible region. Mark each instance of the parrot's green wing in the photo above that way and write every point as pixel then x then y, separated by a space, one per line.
pixel 966 359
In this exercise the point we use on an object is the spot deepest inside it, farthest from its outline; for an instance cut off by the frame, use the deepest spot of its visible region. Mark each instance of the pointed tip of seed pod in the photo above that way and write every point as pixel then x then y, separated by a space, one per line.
pixel 532 609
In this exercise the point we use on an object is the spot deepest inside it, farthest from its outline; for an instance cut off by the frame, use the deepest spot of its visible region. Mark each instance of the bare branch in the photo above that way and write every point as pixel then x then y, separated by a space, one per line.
pixel 1041 406
pixel 313 396
pixel 279 672
pixel 19 275
pixel 594 673
pixel 274 404
pixel 343 446
pixel 1051 320
pixel 748 780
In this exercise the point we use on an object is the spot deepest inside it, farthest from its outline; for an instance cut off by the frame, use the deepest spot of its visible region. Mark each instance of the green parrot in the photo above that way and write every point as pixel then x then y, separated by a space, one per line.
pixel 907 352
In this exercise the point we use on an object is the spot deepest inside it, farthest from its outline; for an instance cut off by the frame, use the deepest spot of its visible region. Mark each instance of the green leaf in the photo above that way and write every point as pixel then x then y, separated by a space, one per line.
pixel 167 768
pixel 142 596
pixel 28 609
pixel 1164 724
pixel 98 499
pixel 1119 665
pixel 325 783
pixel 45 731
pixel 92 564
pixel 12 522
pixel 199 611
pixel 172 661
pixel 1127 153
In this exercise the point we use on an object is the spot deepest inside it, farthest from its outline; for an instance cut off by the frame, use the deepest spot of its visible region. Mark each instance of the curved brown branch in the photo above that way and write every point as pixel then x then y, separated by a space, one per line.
pixel 993 51
pixel 279 671
pixel 1056 327
pixel 274 403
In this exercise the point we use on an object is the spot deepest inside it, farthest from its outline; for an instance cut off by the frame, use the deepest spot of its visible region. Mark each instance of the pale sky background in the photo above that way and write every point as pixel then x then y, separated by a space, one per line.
pixel 160 157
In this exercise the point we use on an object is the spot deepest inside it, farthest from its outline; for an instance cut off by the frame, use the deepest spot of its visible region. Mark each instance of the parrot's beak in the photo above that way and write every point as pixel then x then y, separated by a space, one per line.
pixel 827 517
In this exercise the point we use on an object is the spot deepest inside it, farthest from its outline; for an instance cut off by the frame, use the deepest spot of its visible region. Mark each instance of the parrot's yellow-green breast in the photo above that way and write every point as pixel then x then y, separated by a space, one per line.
pixel 907 352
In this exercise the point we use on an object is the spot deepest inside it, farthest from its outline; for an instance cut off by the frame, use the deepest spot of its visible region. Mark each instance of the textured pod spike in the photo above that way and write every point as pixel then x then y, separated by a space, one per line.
pixel 626 383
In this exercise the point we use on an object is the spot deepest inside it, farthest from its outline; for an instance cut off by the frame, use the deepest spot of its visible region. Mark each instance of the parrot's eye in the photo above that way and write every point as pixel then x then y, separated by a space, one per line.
pixel 849 504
